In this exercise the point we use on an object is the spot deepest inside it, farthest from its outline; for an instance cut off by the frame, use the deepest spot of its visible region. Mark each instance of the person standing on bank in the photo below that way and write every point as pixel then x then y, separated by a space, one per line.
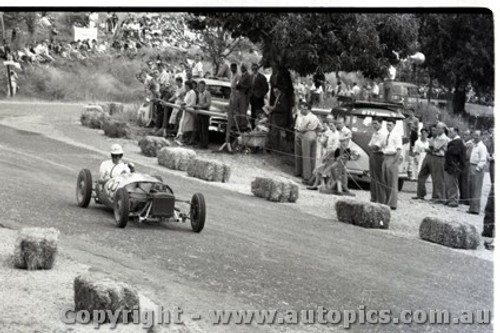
pixel 243 86
pixel 377 145
pixel 426 167
pixel 345 136
pixel 454 163
pixel 464 176
pixel 258 91
pixel 390 166
pixel 305 142
pixel 440 143
pixel 478 157
pixel 203 121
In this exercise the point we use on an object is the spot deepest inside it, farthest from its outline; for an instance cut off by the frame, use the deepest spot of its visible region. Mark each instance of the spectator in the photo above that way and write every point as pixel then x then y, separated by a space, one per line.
pixel 233 101
pixel 478 158
pixel 355 91
pixel 426 168
pixel 177 98
pixel 339 171
pixel 279 112
pixel 224 71
pixel 438 150
pixel 186 126
pixel 390 166
pixel 305 142
pixel 419 152
pixel 203 121
pixel 243 87
pixel 13 84
pixel 329 141
pixel 197 69
pixel 345 136
pixel 454 164
pixel 262 123
pixel 464 176
pixel 377 145
pixel 258 91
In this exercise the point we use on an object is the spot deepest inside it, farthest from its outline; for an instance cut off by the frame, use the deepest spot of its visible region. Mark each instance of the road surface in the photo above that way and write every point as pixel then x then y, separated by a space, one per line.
pixel 252 254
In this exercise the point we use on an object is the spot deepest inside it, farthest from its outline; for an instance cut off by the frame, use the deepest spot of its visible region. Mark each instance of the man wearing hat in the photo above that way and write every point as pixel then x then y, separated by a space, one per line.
pixel 115 166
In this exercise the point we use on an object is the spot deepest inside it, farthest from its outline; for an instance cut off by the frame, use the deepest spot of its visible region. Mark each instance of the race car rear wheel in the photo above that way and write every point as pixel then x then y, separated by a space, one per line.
pixel 84 188
pixel 197 212
pixel 122 207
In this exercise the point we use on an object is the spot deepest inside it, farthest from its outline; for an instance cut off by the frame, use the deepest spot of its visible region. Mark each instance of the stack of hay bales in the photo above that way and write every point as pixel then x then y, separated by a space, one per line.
pixel 150 145
pixel 275 189
pixel 459 235
pixel 363 214
pixel 176 158
pixel 116 129
pixel 98 292
pixel 212 171
pixel 36 248
pixel 93 116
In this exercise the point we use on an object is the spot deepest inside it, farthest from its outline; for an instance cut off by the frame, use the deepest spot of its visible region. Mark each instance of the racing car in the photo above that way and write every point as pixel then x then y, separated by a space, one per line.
pixel 139 196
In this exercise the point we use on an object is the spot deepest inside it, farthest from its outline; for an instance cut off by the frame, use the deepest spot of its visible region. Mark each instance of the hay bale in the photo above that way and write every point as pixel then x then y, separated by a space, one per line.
pixel 116 129
pixel 363 214
pixel 176 158
pixel 93 291
pixel 456 234
pixel 275 189
pixel 36 248
pixel 93 116
pixel 209 170
pixel 150 145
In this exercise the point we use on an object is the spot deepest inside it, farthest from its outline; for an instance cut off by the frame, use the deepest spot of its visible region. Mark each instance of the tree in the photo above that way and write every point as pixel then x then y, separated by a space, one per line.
pixel 334 41
pixel 459 51
pixel 215 41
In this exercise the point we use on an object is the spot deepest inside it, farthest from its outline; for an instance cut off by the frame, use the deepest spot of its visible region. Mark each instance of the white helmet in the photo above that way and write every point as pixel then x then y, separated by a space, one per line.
pixel 116 149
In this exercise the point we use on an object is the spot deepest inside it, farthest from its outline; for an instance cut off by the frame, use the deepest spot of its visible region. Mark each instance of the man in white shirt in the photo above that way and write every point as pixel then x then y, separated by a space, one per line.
pixel 198 67
pixel 377 144
pixel 115 166
pixel 478 158
pixel 356 90
pixel 390 167
pixel 305 142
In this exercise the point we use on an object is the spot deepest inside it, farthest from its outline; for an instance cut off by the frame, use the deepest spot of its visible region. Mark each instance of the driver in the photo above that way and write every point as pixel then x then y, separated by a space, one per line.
pixel 115 166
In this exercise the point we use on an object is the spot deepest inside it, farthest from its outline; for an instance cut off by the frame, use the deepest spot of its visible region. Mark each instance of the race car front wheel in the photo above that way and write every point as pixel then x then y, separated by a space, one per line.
pixel 84 188
pixel 122 207
pixel 197 212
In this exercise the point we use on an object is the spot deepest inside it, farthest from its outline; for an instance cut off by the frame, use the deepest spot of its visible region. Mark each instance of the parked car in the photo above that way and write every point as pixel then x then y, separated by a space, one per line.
pixel 358 118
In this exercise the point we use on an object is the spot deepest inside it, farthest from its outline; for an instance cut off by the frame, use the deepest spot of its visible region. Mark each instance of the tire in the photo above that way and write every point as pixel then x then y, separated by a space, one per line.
pixel 121 207
pixel 197 212
pixel 401 182
pixel 84 188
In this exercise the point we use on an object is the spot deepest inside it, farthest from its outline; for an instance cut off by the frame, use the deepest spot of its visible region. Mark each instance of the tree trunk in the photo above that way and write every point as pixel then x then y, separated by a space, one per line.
pixel 459 99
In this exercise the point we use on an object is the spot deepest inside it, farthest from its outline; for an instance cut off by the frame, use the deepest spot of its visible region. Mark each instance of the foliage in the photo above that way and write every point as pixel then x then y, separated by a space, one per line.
pixel 459 51
pixel 333 41
pixel 215 41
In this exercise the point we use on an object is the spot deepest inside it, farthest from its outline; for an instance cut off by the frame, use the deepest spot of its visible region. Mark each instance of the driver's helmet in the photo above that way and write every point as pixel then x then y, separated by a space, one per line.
pixel 116 149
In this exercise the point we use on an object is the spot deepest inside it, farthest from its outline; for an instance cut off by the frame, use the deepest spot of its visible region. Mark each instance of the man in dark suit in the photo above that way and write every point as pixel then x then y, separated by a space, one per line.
pixel 258 91
pixel 454 165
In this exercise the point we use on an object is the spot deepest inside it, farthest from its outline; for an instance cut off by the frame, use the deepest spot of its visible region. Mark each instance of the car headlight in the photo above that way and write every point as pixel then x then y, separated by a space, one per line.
pixel 355 155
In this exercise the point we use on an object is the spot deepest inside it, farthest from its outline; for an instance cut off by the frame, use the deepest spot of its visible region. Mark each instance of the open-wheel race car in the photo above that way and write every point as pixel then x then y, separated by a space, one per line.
pixel 141 197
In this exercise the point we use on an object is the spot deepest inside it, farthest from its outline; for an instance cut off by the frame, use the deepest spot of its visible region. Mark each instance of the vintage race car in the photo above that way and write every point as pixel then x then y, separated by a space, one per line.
pixel 141 197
